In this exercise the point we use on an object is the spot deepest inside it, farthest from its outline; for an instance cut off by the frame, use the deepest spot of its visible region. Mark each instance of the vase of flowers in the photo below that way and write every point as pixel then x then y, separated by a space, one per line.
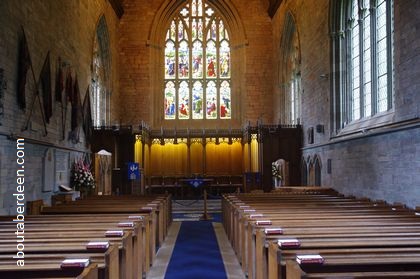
pixel 81 177
pixel 275 171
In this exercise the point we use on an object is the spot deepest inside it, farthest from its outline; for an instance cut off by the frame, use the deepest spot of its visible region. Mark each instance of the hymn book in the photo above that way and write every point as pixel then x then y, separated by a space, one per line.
pixel 263 223
pixel 125 224
pixel 74 263
pixel 271 231
pixel 309 259
pixel 115 233
pixel 288 243
pixel 135 217
pixel 252 216
pixel 98 245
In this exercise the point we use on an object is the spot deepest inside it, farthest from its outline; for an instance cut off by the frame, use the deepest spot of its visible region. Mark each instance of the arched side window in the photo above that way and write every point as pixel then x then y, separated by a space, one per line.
pixel 290 75
pixel 304 172
pixel 317 167
pixel 197 70
pixel 101 80
pixel 362 33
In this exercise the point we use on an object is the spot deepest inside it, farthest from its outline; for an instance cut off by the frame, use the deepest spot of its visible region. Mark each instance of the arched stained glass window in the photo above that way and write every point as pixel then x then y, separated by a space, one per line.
pixel 101 75
pixel 197 68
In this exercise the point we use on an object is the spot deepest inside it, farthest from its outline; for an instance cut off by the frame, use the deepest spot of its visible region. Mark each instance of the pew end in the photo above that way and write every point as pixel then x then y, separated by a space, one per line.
pixel 34 207
pixel 90 272
pixel 293 270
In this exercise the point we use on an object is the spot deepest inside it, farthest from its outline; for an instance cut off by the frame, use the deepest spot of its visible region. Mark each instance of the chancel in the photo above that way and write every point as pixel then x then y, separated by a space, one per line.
pixel 209 139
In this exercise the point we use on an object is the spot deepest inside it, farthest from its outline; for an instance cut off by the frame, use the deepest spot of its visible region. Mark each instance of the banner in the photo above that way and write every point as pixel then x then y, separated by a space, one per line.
pixel 133 171
pixel 23 67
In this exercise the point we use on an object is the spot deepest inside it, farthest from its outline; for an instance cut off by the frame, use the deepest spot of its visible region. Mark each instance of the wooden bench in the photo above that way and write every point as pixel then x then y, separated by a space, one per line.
pixel 341 222
pixel 49 236
pixel 130 206
pixel 71 238
pixel 374 266
pixel 47 270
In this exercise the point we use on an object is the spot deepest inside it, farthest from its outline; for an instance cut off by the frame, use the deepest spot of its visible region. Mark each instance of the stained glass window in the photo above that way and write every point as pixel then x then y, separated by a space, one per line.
pixel 197 78
pixel 101 76
pixel 369 58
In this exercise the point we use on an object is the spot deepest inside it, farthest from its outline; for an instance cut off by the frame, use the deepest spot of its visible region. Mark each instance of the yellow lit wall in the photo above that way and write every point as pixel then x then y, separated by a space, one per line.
pixel 196 158
pixel 254 155
pixel 176 160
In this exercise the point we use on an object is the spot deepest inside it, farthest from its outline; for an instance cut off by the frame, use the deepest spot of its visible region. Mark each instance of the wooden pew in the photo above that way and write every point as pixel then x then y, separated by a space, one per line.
pixel 149 243
pixel 107 222
pixel 242 230
pixel 375 266
pixel 80 230
pixel 47 270
pixel 49 236
pixel 115 262
pixel 158 207
pixel 107 264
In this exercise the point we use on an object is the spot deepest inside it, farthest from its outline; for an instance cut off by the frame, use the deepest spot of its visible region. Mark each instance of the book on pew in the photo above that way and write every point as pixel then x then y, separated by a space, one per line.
pixel 75 263
pixel 135 217
pixel 244 206
pixel 252 216
pixel 114 233
pixel 126 224
pixel 263 223
pixel 288 243
pixel 65 188
pixel 147 208
pixel 271 231
pixel 98 245
pixel 249 210
pixel 309 259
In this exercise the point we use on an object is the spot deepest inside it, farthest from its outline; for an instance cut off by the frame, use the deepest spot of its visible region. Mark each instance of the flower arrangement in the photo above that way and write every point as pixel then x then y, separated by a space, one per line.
pixel 275 170
pixel 81 176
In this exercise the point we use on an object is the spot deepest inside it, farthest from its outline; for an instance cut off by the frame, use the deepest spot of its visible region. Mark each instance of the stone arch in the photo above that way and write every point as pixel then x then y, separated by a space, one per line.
pixel 227 11
pixel 304 171
pixel 317 170
pixel 314 170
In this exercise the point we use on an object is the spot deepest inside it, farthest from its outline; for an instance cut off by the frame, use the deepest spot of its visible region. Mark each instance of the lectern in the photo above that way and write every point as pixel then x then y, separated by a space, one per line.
pixel 202 183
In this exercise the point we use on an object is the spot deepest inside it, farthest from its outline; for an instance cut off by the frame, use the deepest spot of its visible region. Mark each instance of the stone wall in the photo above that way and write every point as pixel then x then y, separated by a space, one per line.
pixel 380 164
pixel 64 28
pixel 383 166
pixel 137 63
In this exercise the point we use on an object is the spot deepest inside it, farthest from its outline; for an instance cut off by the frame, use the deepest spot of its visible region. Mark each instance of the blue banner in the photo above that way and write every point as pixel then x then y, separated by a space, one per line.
pixel 196 182
pixel 133 171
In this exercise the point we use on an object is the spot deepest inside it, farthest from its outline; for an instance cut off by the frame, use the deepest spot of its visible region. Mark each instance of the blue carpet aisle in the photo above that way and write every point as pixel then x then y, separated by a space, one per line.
pixel 196 253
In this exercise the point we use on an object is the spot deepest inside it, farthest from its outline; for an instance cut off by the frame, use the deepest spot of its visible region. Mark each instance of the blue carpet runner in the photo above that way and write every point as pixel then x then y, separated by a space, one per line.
pixel 196 253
